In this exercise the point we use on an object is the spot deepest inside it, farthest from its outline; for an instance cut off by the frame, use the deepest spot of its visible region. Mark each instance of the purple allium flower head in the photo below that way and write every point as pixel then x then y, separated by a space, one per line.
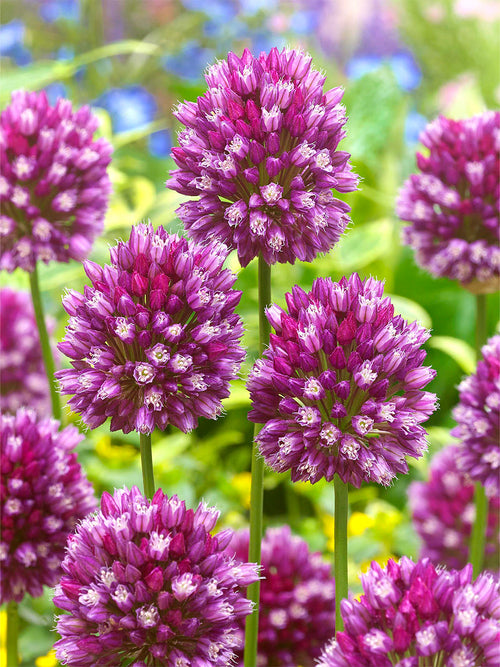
pixel 297 599
pixel 339 389
pixel 43 493
pixel 415 614
pixel 478 419
pixel 54 188
pixel 155 340
pixel 147 581
pixel 443 513
pixel 260 154
pixel 453 204
pixel 23 380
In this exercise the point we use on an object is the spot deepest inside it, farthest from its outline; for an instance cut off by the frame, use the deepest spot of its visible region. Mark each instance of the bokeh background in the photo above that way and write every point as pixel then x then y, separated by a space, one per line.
pixel 401 63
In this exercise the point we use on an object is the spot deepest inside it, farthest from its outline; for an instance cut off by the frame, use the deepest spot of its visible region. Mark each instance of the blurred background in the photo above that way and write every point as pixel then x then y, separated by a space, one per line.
pixel 401 63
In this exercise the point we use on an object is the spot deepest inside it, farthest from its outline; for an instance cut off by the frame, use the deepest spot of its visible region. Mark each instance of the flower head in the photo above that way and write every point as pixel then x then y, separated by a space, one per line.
pixel 453 204
pixel 413 614
pixel 340 388
pixel 23 381
pixel 297 599
pixel 43 494
pixel 155 340
pixel 478 419
pixel 54 188
pixel 443 513
pixel 267 135
pixel 147 581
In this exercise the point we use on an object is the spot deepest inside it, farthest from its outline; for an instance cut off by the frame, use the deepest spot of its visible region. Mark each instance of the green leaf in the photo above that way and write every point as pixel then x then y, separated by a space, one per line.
pixel 410 310
pixel 364 244
pixel 457 349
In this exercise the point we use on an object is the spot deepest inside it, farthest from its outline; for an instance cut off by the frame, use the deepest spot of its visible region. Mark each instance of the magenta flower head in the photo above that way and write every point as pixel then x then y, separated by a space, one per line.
pixel 155 340
pixel 43 494
pixel 54 188
pixel 453 204
pixel 259 153
pixel 297 599
pixel 443 514
pixel 339 389
pixel 415 614
pixel 478 419
pixel 146 581
pixel 23 381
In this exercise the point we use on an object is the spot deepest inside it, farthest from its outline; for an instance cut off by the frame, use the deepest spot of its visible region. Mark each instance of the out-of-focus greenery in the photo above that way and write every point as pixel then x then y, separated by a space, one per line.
pixel 159 48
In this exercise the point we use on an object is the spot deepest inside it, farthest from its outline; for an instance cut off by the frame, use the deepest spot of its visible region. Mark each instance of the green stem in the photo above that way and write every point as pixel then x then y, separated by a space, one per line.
pixel 478 535
pixel 12 634
pixel 340 538
pixel 48 359
pixel 147 465
pixel 257 483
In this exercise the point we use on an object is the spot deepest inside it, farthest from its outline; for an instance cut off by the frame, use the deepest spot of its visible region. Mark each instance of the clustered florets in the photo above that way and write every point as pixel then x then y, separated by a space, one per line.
pixel 453 205
pixel 413 614
pixel 146 581
pixel 155 340
pixel 260 153
pixel 297 599
pixel 478 419
pixel 443 513
pixel 340 388
pixel 54 188
pixel 43 494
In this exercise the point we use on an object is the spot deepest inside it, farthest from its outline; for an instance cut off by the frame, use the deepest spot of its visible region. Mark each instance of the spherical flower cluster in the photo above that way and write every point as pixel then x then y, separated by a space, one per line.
pixel 146 581
pixel 23 380
pixel 54 188
pixel 297 599
pixel 453 205
pixel 339 389
pixel 443 514
pixel 478 419
pixel 260 154
pixel 43 493
pixel 414 614
pixel 155 340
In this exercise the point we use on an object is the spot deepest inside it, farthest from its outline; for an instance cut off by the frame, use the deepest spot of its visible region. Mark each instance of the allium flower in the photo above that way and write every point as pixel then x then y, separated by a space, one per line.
pixel 43 493
pixel 54 187
pixel 297 599
pixel 23 380
pixel 453 205
pixel 260 154
pixel 414 614
pixel 155 340
pixel 443 514
pixel 478 419
pixel 340 388
pixel 146 581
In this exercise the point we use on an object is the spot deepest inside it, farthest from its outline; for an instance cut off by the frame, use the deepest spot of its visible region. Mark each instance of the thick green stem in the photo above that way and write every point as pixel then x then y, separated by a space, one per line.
pixel 12 634
pixel 478 535
pixel 340 538
pixel 147 465
pixel 48 359
pixel 257 483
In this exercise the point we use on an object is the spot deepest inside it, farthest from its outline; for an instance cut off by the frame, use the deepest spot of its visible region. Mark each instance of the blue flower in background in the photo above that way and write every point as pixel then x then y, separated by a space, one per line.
pixel 406 71
pixel 54 91
pixel 160 143
pixel 190 62
pixel 129 108
pixel 254 6
pixel 414 124
pixel 304 22
pixel 53 10
pixel 12 42
pixel 219 11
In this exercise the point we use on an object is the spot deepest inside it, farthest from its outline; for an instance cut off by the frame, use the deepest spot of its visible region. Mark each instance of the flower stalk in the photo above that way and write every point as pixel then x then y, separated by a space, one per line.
pixel 340 549
pixel 12 634
pixel 147 465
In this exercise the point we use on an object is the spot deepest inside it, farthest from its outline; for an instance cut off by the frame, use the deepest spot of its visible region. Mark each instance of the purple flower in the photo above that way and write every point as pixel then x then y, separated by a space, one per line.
pixel 340 388
pixel 415 614
pixel 453 204
pixel 478 419
pixel 260 154
pixel 23 380
pixel 146 581
pixel 43 494
pixel 155 340
pixel 443 513
pixel 297 599
pixel 54 187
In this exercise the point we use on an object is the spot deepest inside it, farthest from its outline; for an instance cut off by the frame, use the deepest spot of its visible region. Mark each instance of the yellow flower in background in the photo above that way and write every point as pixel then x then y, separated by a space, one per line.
pixel 115 453
pixel 358 522
pixel 381 560
pixel 3 638
pixel 48 660
pixel 329 530
pixel 241 483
